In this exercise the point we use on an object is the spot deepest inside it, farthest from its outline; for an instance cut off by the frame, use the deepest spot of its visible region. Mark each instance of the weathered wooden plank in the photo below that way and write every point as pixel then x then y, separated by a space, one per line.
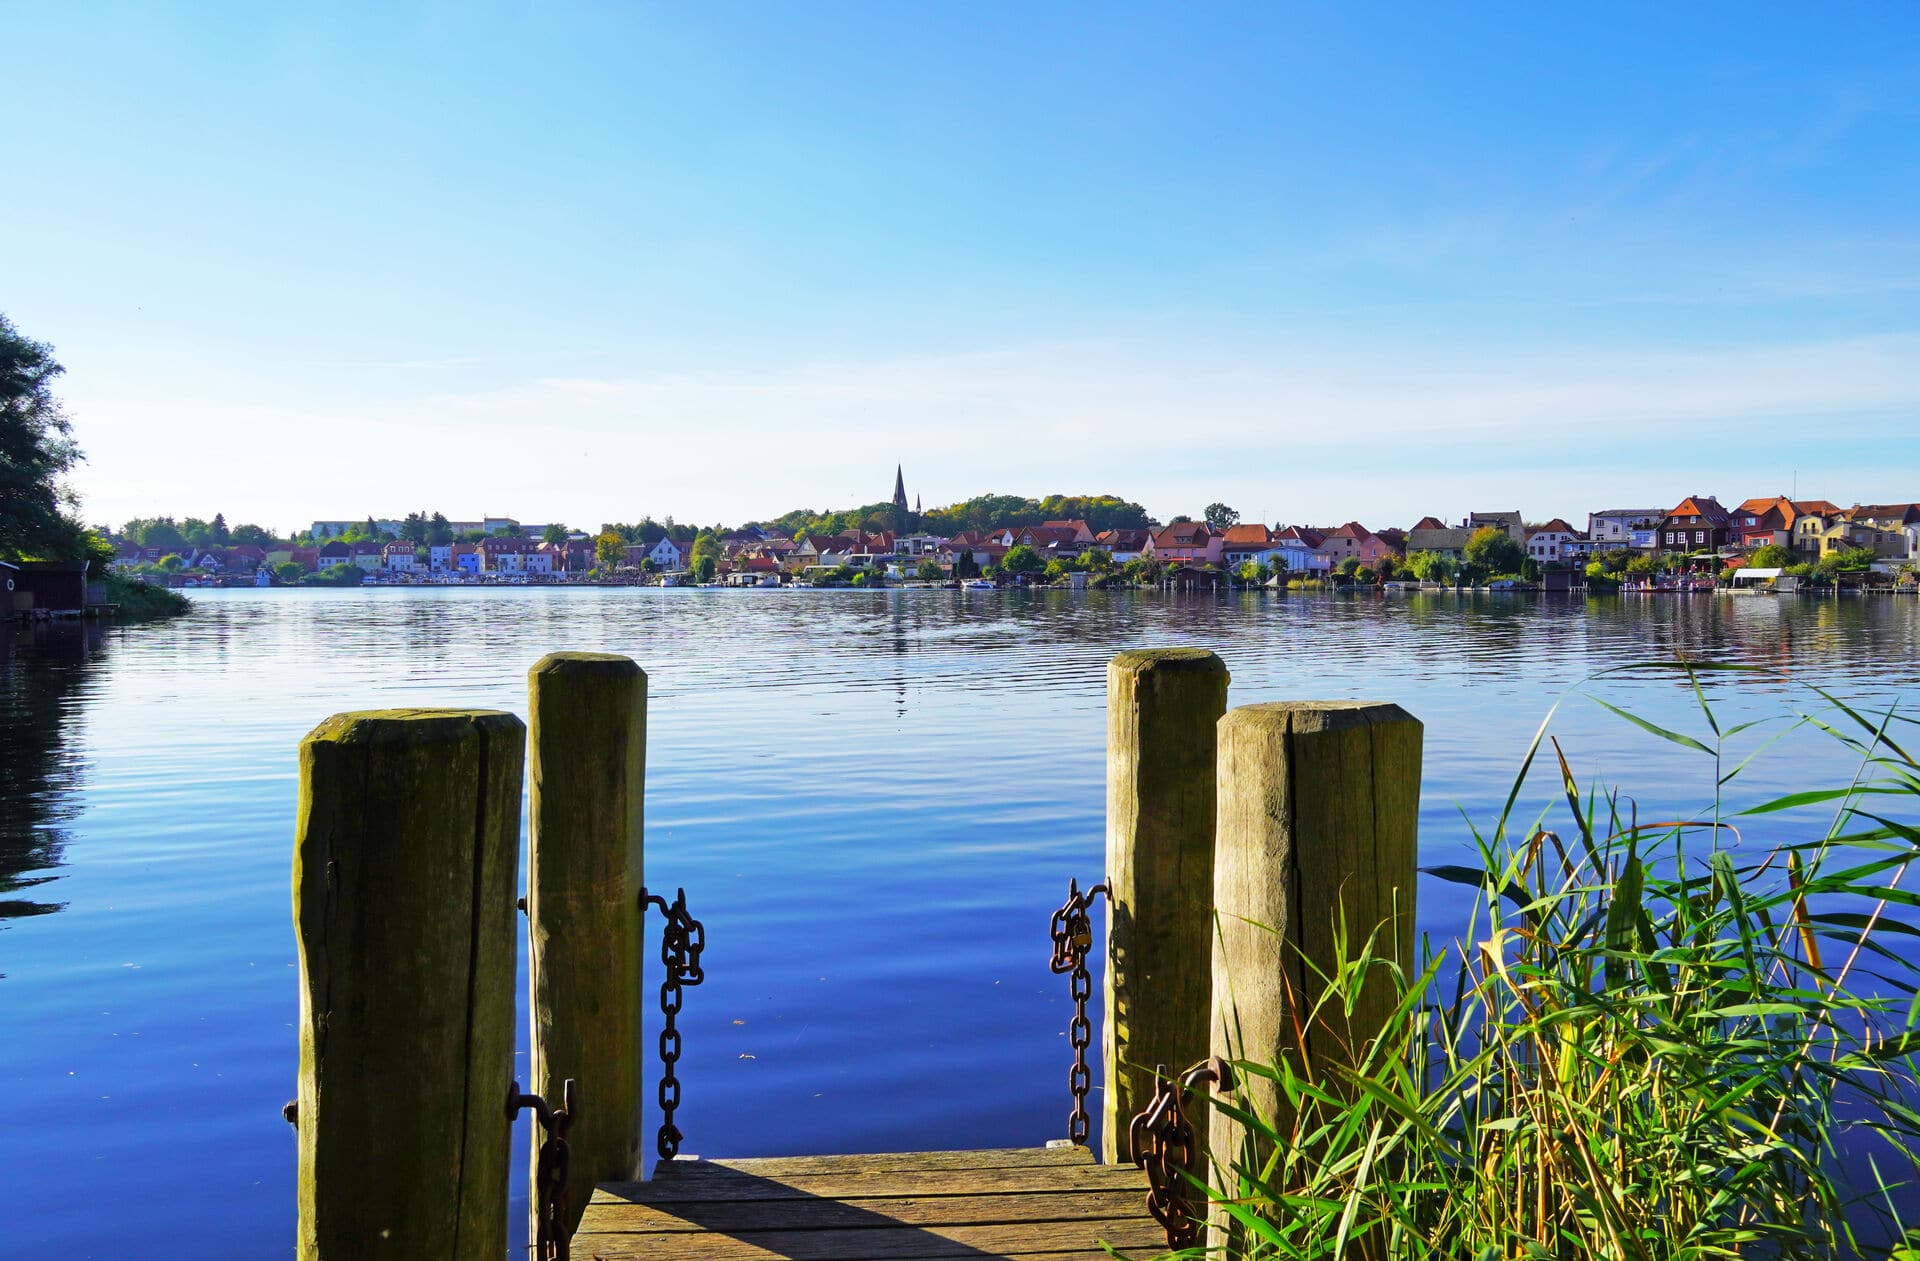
pixel 732 1216
pixel 881 1242
pixel 878 1162
pixel 850 1186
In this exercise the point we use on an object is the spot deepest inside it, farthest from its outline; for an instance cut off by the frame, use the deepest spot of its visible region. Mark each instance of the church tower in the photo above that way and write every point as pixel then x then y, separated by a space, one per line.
pixel 899 491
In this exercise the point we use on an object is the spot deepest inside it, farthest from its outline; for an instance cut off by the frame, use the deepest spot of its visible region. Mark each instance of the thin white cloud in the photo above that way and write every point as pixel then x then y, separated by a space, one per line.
pixel 1336 429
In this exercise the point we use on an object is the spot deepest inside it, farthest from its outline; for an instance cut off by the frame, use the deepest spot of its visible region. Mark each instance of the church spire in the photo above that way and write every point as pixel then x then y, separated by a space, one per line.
pixel 899 488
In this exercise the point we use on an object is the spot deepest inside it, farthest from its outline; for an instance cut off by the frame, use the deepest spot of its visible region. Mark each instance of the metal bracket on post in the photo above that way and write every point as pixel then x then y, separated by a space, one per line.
pixel 550 1166
pixel 1072 932
pixel 1162 1141
pixel 681 942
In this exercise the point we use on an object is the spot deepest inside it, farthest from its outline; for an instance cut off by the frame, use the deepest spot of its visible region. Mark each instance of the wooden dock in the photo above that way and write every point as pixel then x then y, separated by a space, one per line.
pixel 1053 1203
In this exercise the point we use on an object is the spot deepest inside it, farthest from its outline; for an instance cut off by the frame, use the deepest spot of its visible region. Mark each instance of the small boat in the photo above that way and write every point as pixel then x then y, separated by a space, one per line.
pixel 978 584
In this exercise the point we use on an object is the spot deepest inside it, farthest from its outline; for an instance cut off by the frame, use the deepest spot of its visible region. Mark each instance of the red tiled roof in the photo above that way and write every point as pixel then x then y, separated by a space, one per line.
pixel 1240 535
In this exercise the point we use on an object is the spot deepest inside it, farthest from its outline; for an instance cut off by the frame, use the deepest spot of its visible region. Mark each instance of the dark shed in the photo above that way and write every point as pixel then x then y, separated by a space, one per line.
pixel 54 586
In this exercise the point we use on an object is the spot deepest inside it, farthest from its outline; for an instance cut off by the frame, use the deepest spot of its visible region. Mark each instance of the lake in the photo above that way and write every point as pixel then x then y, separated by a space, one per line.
pixel 873 799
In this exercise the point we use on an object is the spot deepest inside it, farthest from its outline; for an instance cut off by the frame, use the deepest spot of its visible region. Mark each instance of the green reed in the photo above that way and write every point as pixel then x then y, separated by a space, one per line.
pixel 1654 1038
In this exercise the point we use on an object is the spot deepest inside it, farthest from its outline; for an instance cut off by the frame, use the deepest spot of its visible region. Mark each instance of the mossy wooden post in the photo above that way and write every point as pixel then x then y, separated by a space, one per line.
pixel 404 870
pixel 1162 706
pixel 584 875
pixel 1319 809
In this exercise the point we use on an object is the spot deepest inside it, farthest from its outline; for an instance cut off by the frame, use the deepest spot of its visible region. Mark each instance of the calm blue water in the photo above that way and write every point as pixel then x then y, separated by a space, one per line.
pixel 874 800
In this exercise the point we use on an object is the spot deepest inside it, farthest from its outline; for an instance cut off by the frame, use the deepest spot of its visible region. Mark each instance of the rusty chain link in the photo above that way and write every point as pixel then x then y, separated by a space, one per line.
pixel 550 1169
pixel 1162 1142
pixel 1072 931
pixel 681 942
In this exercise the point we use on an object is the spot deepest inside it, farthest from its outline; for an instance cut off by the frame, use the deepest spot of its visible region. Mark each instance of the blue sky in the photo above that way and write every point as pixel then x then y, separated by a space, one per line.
pixel 717 261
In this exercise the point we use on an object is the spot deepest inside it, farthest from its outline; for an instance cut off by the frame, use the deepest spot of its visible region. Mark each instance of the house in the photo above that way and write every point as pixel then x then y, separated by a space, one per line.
pixel 917 544
pixel 1083 534
pixel 1342 543
pixel 1623 527
pixel 245 558
pixel 1242 544
pixel 1697 524
pixel 670 556
pixel 1297 550
pixel 334 554
pixel 1507 521
pixel 440 557
pixel 1292 548
pixel 1449 542
pixel 1890 517
pixel 1186 542
pixel 1551 543
pixel 1123 545
pixel 508 555
pixel 467 558
pixel 400 558
pixel 1770 521
pixel 1052 541
pixel 1380 544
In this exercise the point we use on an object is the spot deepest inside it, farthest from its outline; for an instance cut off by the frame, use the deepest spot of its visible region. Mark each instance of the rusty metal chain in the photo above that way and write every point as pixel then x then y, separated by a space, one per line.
pixel 1162 1141
pixel 550 1169
pixel 1072 931
pixel 681 942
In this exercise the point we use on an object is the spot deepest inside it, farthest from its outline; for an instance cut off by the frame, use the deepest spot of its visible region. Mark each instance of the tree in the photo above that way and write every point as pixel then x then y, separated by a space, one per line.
pixel 172 561
pixel 439 531
pixel 1640 565
pixel 1096 560
pixel 197 532
pixel 1056 570
pixel 556 534
pixel 1021 559
pixel 704 568
pixel 158 532
pixel 289 571
pixel 609 550
pixel 1772 556
pixel 1219 516
pixel 36 452
pixel 1349 567
pixel 221 535
pixel 1493 551
pixel 929 571
pixel 252 536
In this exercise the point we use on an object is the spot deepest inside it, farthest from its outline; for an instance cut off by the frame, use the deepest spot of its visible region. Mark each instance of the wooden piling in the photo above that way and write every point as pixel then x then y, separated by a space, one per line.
pixel 1162 707
pixel 404 870
pixel 1318 816
pixel 584 876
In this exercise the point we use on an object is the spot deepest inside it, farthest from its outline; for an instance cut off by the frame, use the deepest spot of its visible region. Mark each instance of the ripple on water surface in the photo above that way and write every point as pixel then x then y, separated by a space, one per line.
pixel 873 799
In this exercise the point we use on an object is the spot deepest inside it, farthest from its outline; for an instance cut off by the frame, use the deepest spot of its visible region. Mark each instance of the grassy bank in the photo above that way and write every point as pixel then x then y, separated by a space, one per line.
pixel 144 602
pixel 1673 1038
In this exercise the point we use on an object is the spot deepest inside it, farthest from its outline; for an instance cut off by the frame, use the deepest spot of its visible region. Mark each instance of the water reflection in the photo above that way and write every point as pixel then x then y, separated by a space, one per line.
pixel 42 672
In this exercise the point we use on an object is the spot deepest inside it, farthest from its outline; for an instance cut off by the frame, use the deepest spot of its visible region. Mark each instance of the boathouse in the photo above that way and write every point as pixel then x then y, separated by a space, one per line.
pixel 47 586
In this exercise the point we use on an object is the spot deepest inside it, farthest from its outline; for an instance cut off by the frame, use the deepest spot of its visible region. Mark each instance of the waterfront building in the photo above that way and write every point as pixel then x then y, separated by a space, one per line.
pixel 1696 524
pixel 1624 527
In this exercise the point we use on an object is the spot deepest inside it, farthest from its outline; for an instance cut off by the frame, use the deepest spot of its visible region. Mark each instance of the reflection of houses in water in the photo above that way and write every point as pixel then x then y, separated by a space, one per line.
pixel 41 668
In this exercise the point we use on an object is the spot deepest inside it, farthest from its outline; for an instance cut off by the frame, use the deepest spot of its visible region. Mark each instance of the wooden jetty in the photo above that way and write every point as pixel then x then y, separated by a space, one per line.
pixel 1241 845
pixel 1052 1203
